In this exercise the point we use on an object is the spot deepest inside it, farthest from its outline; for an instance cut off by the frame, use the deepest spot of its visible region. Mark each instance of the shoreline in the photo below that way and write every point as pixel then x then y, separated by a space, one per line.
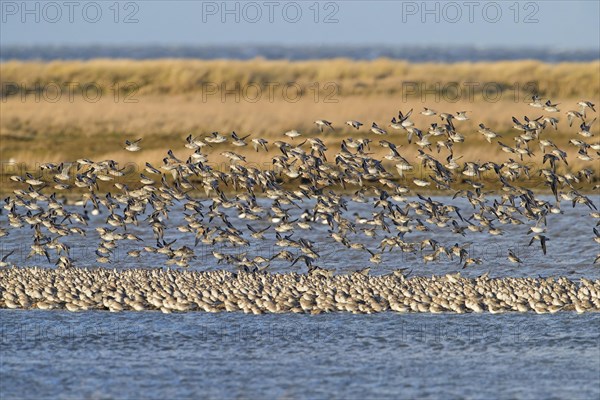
pixel 80 289
pixel 75 198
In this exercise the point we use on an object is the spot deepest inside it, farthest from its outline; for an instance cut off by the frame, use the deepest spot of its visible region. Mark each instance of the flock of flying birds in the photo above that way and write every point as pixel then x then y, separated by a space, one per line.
pixel 397 210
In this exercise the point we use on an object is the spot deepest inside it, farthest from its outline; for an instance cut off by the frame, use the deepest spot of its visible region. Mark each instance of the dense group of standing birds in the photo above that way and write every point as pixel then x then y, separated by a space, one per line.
pixel 309 185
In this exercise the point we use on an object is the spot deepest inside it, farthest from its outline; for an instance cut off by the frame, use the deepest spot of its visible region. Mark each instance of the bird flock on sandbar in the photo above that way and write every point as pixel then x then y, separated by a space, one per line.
pixel 309 185
pixel 81 289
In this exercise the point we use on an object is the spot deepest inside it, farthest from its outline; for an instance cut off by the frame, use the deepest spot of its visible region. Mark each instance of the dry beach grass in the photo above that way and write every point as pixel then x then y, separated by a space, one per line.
pixel 176 97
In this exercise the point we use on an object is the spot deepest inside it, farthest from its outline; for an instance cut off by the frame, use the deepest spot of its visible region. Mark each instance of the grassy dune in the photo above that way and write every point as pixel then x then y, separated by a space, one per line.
pixel 174 98
pixel 354 77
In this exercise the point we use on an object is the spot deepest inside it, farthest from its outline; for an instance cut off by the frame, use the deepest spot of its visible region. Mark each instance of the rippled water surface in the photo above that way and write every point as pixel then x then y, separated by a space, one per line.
pixel 571 249
pixel 56 354
pixel 198 355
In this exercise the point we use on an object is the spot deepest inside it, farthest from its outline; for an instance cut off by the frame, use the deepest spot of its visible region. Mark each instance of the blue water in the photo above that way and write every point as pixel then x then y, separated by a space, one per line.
pixel 272 52
pixel 571 248
pixel 99 355
pixel 231 355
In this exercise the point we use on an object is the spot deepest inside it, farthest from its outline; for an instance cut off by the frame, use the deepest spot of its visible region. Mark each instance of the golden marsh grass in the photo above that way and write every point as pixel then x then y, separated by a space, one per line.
pixel 171 102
